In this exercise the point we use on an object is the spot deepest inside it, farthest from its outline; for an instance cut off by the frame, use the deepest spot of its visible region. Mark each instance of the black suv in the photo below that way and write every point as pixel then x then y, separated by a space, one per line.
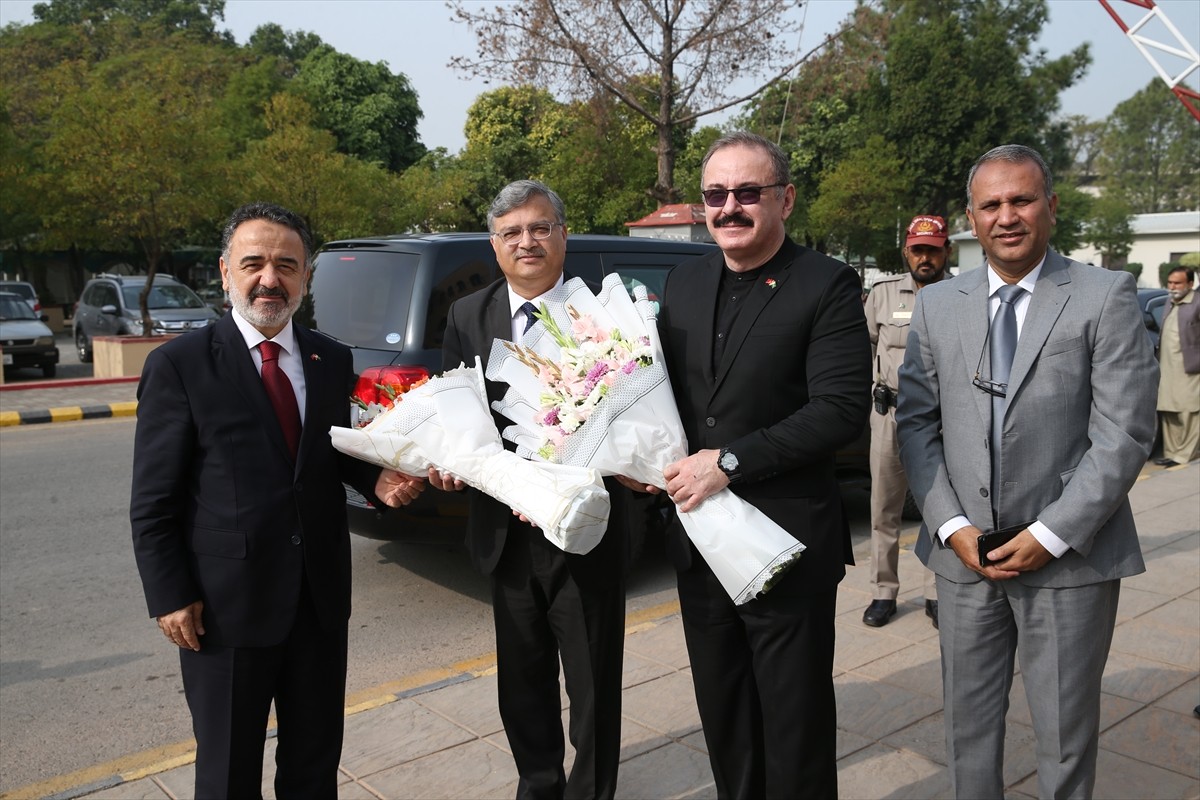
pixel 387 299
pixel 109 306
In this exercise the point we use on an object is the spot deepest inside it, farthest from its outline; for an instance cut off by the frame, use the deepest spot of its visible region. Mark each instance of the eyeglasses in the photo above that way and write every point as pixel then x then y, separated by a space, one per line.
pixel 538 230
pixel 745 195
pixel 993 388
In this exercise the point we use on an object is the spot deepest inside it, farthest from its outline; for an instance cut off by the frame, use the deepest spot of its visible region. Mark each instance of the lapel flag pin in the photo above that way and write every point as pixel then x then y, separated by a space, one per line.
pixel 315 357
pixel 771 283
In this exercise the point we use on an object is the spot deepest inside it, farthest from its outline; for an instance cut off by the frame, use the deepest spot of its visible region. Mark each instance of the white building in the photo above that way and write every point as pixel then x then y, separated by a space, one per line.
pixel 1157 239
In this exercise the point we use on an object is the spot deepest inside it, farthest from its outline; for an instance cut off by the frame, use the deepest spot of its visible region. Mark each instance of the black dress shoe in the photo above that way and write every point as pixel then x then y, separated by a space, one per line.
pixel 931 611
pixel 879 612
pixel 1166 462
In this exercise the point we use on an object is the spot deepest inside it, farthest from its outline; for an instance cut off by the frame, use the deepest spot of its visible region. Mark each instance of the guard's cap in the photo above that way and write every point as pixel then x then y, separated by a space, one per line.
pixel 925 229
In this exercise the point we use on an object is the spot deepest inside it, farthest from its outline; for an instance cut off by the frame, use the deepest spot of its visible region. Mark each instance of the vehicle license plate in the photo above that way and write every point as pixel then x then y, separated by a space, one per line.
pixel 8 359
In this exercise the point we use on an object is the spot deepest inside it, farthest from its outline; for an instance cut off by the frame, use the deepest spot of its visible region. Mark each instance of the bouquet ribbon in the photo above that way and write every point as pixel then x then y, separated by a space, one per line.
pixel 445 423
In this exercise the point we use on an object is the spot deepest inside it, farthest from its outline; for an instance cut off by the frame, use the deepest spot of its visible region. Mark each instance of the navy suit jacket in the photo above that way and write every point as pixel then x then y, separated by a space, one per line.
pixel 220 512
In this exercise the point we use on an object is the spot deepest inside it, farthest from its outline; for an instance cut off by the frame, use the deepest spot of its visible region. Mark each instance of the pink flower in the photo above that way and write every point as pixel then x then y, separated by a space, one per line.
pixel 585 329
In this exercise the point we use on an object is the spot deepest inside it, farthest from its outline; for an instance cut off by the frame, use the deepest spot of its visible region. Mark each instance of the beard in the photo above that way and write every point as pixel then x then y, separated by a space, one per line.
pixel 264 316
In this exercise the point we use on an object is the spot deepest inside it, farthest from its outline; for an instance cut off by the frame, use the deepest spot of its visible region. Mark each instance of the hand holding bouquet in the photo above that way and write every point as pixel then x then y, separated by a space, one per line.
pixel 589 387
pixel 445 423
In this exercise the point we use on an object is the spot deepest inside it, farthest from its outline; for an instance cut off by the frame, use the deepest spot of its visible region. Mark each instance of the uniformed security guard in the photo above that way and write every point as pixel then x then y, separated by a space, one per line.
pixel 889 308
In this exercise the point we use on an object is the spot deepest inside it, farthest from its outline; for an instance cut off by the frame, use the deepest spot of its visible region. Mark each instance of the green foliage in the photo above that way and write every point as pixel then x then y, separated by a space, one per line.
pixel 196 18
pixel 1109 228
pixel 1134 268
pixel 1190 260
pixel 1151 152
pixel 1074 210
pixel 372 113
pixel 855 211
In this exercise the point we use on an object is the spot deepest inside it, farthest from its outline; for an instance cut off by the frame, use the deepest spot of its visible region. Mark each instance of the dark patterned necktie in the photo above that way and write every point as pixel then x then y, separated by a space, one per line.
pixel 530 309
pixel 283 397
pixel 1003 339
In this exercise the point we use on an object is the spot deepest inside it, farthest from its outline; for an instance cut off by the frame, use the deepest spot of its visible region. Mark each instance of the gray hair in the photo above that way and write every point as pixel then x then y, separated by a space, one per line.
pixel 517 194
pixel 1013 154
pixel 779 159
pixel 270 213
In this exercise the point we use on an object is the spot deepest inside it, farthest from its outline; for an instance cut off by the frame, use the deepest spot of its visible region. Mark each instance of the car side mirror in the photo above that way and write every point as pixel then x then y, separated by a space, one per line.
pixel 108 309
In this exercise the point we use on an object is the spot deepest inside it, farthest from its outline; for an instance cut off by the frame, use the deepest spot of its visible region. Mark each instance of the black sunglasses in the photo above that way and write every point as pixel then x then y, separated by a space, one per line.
pixel 745 195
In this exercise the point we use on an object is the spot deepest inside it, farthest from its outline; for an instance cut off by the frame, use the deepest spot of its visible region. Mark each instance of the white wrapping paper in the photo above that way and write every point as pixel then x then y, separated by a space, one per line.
pixel 636 431
pixel 445 423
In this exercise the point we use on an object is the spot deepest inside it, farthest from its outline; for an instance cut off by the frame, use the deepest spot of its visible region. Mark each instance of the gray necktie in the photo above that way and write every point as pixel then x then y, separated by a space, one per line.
pixel 530 309
pixel 1003 339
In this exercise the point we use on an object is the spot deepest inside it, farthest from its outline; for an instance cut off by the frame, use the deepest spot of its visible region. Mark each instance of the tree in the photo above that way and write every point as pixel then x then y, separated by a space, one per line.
pixel 196 18
pixel 298 166
pixel 372 112
pixel 695 49
pixel 856 210
pixel 129 160
pixel 1074 210
pixel 1109 229
pixel 960 77
pixel 1151 152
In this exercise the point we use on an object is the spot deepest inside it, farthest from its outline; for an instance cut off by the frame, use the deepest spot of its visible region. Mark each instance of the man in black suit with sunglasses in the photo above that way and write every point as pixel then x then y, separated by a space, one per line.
pixel 769 357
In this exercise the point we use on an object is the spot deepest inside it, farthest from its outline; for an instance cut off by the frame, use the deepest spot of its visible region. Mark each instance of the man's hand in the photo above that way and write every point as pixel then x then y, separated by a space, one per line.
pixel 1023 554
pixel 396 489
pixel 637 486
pixel 690 480
pixel 444 481
pixel 183 627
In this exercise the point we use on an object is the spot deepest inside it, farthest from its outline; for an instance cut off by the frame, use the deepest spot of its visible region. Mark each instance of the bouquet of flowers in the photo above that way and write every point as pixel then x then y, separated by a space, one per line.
pixel 599 397
pixel 445 423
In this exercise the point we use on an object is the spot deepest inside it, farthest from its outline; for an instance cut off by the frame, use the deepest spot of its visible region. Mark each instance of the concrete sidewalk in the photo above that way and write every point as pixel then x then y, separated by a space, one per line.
pixel 439 735
pixel 31 402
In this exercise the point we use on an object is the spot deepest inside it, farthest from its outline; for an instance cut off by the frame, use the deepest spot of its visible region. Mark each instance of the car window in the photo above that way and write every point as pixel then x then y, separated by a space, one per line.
pixel 23 289
pixel 1156 311
pixel 168 295
pixel 106 295
pixel 12 308
pixel 454 278
pixel 362 297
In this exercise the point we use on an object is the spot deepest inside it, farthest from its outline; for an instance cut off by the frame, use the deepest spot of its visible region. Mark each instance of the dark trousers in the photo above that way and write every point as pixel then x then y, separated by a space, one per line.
pixel 229 691
pixel 550 605
pixel 763 674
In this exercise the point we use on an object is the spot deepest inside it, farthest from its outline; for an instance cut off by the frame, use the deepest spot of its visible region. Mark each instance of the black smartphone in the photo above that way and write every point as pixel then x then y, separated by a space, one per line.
pixel 990 541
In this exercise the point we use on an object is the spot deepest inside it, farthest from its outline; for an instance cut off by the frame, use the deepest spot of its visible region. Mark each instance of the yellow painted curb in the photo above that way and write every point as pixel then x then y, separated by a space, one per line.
pixel 128 409
pixel 8 418
pixel 66 414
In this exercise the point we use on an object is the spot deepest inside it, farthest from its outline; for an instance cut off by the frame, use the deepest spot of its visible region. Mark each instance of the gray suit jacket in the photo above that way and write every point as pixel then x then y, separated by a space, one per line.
pixel 1078 429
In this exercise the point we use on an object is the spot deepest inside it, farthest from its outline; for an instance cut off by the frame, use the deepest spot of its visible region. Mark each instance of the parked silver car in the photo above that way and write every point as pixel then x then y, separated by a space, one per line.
pixel 109 306
pixel 24 338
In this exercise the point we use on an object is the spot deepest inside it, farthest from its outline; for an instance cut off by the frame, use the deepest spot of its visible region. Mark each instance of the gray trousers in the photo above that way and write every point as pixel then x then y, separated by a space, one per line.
pixel 1062 637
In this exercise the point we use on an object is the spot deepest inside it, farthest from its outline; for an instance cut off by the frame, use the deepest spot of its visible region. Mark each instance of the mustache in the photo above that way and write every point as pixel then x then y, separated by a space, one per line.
pixel 264 291
pixel 735 218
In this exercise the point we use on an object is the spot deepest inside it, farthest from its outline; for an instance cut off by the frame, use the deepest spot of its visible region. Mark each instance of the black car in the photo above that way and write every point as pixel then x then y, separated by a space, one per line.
pixel 387 299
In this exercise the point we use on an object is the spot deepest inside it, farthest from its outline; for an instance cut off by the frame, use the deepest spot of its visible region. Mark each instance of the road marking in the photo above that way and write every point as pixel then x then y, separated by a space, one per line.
pixel 161 759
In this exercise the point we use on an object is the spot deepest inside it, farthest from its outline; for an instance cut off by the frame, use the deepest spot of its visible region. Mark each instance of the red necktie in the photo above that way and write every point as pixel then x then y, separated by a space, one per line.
pixel 283 397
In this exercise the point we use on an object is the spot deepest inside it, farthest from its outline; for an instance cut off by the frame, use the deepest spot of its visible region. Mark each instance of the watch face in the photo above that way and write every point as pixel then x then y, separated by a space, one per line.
pixel 729 462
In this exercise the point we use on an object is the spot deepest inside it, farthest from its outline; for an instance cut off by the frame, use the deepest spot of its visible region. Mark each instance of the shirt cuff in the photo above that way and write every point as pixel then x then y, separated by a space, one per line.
pixel 950 527
pixel 1048 540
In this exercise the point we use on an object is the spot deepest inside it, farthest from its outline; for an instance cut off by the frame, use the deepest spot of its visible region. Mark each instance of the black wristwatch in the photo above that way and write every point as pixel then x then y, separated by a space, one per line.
pixel 728 463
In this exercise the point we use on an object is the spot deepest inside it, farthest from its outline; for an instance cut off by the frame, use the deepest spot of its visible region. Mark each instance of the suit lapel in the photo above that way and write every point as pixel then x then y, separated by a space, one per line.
pixel 317 385
pixel 972 328
pixel 1050 295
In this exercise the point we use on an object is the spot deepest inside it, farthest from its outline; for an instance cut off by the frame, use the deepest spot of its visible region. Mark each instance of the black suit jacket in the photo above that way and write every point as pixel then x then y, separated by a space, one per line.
pixel 220 513
pixel 793 386
pixel 472 324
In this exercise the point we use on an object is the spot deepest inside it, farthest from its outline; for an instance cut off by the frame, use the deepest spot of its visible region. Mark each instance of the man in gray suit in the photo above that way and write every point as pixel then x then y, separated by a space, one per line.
pixel 1065 383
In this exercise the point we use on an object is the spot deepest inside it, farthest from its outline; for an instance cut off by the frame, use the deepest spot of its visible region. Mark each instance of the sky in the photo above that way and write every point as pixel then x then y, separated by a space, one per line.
pixel 418 38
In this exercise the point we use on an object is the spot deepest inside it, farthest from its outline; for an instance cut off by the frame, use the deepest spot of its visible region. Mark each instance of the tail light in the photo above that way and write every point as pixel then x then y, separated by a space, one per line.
pixel 37 306
pixel 396 380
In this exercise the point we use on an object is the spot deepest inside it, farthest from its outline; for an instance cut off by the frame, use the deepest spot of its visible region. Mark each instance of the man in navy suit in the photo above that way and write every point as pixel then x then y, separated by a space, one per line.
pixel 239 522
pixel 548 605
pixel 769 358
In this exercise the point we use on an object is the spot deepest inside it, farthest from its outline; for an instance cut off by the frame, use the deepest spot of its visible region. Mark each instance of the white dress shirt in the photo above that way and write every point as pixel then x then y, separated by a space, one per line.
pixel 289 356
pixel 1044 535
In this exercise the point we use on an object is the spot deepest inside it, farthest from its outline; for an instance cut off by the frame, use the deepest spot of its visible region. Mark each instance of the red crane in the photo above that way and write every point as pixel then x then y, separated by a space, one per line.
pixel 1147 46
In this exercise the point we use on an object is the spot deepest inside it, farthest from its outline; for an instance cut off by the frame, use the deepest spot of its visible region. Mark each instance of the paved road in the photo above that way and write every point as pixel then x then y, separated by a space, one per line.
pixel 85 677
